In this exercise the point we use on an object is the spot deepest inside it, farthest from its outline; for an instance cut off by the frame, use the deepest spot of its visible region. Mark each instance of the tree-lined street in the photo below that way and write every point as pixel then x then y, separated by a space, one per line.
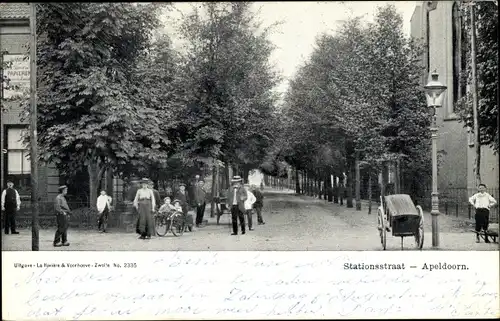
pixel 294 223
pixel 121 98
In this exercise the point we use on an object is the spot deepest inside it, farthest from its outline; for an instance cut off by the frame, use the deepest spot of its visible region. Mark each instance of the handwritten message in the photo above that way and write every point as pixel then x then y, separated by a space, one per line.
pixel 268 285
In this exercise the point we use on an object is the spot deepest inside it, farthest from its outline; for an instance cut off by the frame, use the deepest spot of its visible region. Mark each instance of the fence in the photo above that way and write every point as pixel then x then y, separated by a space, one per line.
pixel 81 215
pixel 455 202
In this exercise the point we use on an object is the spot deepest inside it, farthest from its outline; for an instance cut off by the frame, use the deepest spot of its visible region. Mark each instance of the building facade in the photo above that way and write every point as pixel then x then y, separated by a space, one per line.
pixel 438 26
pixel 14 49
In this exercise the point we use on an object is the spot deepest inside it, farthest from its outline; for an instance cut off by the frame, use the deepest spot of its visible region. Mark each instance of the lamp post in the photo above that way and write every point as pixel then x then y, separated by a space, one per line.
pixel 434 92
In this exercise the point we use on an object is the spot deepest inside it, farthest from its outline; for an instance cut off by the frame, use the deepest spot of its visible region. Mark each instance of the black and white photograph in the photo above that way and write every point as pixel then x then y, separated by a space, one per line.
pixel 250 126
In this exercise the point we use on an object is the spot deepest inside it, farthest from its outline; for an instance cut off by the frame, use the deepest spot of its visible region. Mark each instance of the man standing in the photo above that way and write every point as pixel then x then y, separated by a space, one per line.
pixel 11 203
pixel 156 194
pixel 183 197
pixel 236 197
pixel 259 203
pixel 482 202
pixel 200 195
pixel 103 207
pixel 62 215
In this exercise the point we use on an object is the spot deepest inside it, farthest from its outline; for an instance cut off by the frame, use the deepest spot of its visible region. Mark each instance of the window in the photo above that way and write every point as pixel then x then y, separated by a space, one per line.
pixel 18 164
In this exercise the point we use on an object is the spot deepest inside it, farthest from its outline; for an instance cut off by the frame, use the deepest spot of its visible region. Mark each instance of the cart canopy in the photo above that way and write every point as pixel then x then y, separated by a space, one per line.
pixel 400 204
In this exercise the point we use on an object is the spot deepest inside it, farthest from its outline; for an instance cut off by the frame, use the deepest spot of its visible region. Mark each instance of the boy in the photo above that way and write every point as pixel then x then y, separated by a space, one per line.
pixel 482 202
pixel 167 206
pixel 103 208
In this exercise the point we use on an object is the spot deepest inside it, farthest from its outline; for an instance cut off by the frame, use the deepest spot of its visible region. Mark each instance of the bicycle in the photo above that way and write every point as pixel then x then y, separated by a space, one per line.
pixel 172 221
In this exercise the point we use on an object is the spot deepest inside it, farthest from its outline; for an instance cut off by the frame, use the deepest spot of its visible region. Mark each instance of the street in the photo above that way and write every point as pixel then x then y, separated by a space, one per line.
pixel 293 223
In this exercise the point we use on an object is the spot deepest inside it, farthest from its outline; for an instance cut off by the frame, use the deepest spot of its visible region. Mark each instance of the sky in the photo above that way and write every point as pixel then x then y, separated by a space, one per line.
pixel 302 21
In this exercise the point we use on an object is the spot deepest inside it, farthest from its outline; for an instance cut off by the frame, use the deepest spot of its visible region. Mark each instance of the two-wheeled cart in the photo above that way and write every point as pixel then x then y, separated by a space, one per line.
pixel 399 215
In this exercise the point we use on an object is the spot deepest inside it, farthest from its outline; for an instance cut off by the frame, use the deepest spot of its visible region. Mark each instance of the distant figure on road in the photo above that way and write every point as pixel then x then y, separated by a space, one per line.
pixel 62 217
pixel 200 195
pixel 11 203
pixel 249 207
pixel 145 204
pixel 259 203
pixel 236 197
pixel 482 202
pixel 103 208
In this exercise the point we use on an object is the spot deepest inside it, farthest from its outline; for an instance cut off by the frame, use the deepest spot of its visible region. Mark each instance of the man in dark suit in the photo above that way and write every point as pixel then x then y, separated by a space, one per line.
pixel 236 197
pixel 200 195
pixel 11 203
pixel 259 203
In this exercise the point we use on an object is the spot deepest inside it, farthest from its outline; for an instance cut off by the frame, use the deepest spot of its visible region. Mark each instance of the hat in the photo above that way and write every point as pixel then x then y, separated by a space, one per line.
pixel 62 187
pixel 182 184
pixel 145 180
pixel 236 179
pixel 176 200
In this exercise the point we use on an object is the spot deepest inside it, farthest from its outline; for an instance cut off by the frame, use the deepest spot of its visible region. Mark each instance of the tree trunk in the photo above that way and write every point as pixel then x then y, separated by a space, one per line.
pixel 95 176
pixel 325 187
pixel 246 173
pixel 109 183
pixel 369 191
pixel 397 180
pixel 227 176
pixel 215 179
pixel 335 190
pixel 349 186
pixel 330 187
pixel 297 182
pixel 358 184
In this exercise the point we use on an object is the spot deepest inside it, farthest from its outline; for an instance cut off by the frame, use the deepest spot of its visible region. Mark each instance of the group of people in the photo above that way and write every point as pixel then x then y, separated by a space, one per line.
pixel 147 202
pixel 242 201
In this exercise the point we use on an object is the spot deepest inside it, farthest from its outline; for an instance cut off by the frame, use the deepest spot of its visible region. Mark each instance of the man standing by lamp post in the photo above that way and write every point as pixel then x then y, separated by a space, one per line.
pixel 434 92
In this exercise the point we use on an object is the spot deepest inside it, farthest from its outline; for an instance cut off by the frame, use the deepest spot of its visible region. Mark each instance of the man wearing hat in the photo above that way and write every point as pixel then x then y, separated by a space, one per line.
pixel 183 197
pixel 236 197
pixel 200 195
pixel 62 215
pixel 11 203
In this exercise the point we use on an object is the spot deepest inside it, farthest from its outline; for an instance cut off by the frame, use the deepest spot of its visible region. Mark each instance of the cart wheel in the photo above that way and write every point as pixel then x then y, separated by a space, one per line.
pixel 161 226
pixel 382 229
pixel 419 236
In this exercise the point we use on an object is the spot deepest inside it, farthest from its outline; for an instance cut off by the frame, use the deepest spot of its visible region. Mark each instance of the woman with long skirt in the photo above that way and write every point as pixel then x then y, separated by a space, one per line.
pixel 144 202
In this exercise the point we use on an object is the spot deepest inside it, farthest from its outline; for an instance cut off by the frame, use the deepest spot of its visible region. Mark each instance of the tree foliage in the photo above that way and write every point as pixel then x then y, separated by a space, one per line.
pixel 358 93
pixel 92 104
pixel 230 115
pixel 487 70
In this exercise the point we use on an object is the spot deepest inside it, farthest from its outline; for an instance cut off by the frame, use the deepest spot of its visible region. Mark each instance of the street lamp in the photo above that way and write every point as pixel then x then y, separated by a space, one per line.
pixel 434 92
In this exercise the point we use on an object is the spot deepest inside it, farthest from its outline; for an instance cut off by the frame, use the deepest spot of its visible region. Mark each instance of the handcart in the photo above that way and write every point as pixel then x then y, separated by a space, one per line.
pixel 399 215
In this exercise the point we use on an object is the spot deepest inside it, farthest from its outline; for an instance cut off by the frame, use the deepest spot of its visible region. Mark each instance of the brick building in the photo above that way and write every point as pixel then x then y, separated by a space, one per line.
pixel 14 47
pixel 438 25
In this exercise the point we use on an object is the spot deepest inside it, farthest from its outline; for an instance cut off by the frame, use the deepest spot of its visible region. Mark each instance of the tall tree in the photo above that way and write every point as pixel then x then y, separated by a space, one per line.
pixel 231 80
pixel 89 111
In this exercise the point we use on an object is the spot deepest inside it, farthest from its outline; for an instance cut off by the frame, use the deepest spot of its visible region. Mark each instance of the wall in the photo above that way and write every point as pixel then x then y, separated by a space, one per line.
pixel 457 155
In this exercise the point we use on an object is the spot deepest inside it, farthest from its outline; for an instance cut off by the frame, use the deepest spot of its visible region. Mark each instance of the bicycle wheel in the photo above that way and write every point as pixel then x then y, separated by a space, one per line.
pixel 161 226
